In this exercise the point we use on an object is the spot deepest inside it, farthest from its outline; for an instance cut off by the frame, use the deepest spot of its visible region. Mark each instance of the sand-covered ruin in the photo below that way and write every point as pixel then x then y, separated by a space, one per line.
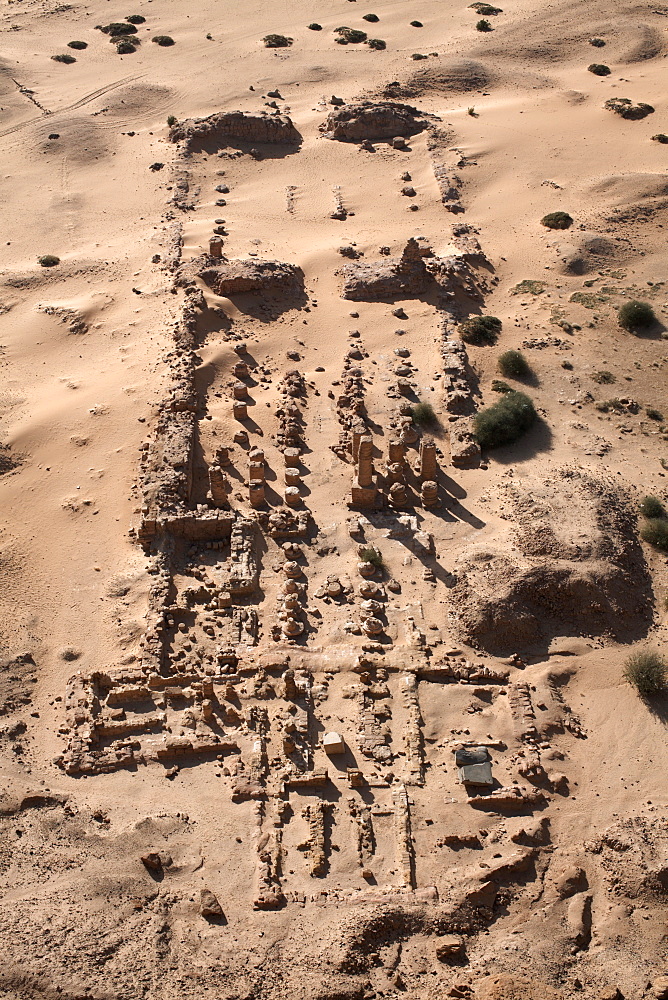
pixel 305 691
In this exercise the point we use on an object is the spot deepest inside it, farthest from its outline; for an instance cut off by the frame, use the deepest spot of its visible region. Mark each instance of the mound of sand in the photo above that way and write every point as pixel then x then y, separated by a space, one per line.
pixel 569 564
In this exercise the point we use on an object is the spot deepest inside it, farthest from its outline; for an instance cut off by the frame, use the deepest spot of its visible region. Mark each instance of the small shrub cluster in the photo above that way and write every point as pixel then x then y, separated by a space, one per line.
pixel 603 378
pixel 483 25
pixel 64 58
pixel 636 315
pixel 499 386
pixel 627 109
pixel 117 28
pixel 660 137
pixel 376 43
pixel 480 330
pixel 485 9
pixel 655 532
pixel 419 55
pixel 557 220
pixel 512 364
pixel 372 18
pixel 171 120
pixel 422 414
pixel 314 26
pixel 126 45
pixel 48 260
pixel 505 421
pixel 136 19
pixel 165 40
pixel 598 43
pixel 652 507
pixel 599 69
pixel 653 413
pixel 349 36
pixel 77 45
pixel 371 555
pixel 417 24
pixel 647 672
pixel 274 41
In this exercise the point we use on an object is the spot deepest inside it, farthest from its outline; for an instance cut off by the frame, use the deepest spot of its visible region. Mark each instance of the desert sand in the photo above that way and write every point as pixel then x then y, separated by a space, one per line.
pixel 255 600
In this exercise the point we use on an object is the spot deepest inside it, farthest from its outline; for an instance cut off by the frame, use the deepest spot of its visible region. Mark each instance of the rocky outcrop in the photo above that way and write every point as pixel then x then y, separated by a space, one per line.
pixel 231 127
pixel 389 278
pixel 373 120
pixel 231 277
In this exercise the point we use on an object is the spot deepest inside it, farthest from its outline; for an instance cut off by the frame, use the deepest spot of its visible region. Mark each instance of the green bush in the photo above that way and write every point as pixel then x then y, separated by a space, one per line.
pixel 77 45
pixel 599 69
pixel 135 19
pixel 371 555
pixel 647 672
pixel 350 36
pixel 505 421
pixel 485 9
pixel 636 315
pixel 652 507
pixel 117 28
pixel 512 364
pixel 557 220
pixel 65 58
pixel 480 330
pixel 171 120
pixel 483 25
pixel 627 109
pixel 48 260
pixel 655 532
pixel 499 386
pixel 126 46
pixel 314 26
pixel 376 43
pixel 163 40
pixel 372 18
pixel 603 378
pixel 423 414
pixel 653 413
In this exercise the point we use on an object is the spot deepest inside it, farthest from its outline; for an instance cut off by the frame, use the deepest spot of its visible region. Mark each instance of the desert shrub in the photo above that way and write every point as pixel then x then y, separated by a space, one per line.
pixel 472 112
pixel 655 532
pixel 417 24
pixel 126 46
pixel 422 414
pixel 615 404
pixel 568 365
pixel 647 672
pixel 653 413
pixel 599 69
pixel 163 40
pixel 371 18
pixel 485 9
pixel 64 58
pixel 371 555
pixel 483 25
pixel 598 43
pixel 314 26
pixel 499 386
pixel 419 55
pixel 77 45
pixel 135 19
pixel 48 260
pixel 171 120
pixel 117 28
pixel 652 507
pixel 636 315
pixel 480 330
pixel 504 421
pixel 557 220
pixel 627 109
pixel 350 36
pixel 660 137
pixel 512 364
pixel 376 43
pixel 603 378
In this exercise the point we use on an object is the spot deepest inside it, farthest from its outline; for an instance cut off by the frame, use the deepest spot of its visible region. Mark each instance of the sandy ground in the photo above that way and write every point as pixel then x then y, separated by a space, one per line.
pixel 76 406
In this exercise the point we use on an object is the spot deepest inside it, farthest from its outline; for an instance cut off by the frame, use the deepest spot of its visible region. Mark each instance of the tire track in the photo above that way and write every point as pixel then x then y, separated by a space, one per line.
pixel 72 107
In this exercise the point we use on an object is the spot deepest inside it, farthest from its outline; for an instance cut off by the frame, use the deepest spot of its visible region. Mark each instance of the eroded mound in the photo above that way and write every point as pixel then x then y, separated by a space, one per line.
pixel 569 564
pixel 233 126
pixel 455 76
pixel 371 120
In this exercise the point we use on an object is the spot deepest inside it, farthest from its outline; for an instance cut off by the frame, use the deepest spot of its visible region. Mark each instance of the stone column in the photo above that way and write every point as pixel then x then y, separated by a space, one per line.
pixel 365 469
pixel 395 451
pixel 216 246
pixel 256 492
pixel 428 461
pixel 358 432
pixel 219 486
